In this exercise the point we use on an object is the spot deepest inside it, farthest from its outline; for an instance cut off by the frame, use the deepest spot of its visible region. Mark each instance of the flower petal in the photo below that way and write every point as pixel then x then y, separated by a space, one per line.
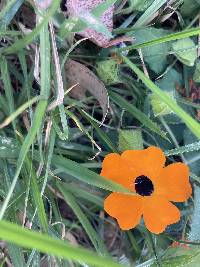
pixel 158 213
pixel 173 183
pixel 149 161
pixel 126 209
pixel 118 170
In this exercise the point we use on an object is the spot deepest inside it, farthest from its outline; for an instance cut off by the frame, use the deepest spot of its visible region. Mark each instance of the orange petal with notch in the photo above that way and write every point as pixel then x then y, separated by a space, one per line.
pixel 148 161
pixel 158 213
pixel 119 171
pixel 173 183
pixel 126 209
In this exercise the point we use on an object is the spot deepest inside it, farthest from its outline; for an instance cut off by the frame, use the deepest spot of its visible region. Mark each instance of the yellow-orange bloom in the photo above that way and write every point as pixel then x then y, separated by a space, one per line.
pixel 143 172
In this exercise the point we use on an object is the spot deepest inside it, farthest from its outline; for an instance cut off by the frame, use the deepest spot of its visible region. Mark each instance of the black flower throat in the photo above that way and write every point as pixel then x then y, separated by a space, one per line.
pixel 143 186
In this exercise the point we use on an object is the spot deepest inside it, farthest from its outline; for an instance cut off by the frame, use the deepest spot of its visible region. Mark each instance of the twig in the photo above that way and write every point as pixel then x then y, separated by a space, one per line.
pixel 143 64
pixel 60 93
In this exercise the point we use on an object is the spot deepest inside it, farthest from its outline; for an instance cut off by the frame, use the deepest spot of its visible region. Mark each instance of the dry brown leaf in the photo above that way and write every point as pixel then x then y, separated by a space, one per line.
pixel 77 73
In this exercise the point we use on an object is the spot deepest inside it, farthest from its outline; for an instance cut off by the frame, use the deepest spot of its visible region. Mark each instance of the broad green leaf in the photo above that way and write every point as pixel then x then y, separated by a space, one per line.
pixel 108 71
pixel 185 50
pixel 168 84
pixel 155 55
pixel 190 8
pixel 170 80
pixel 178 261
pixel 29 239
pixel 130 139
pixel 181 257
pixel 159 107
pixel 194 262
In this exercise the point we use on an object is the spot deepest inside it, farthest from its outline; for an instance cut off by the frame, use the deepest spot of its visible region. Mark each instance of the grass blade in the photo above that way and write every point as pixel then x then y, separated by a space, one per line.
pixel 8 87
pixel 144 19
pixel 30 239
pixel 85 175
pixel 21 43
pixel 95 239
pixel 19 111
pixel 167 38
pixel 102 135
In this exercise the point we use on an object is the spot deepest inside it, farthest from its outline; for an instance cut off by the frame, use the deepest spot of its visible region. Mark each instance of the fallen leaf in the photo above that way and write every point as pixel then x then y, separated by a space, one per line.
pixel 77 73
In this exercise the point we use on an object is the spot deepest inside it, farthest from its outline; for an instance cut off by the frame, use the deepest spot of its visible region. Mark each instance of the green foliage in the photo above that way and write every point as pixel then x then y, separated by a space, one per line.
pixel 108 71
pixel 8 12
pixel 185 256
pixel 130 139
pixel 94 237
pixel 179 261
pixel 155 55
pixel 44 243
pixel 50 160
pixel 137 114
pixel 147 15
pixel 164 39
pixel 190 7
pixel 190 122
pixel 185 51
pixel 85 175
pixel 159 107
pixel 168 84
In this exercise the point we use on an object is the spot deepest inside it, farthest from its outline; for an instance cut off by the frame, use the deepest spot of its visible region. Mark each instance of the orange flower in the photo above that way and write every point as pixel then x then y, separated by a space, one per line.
pixel 143 172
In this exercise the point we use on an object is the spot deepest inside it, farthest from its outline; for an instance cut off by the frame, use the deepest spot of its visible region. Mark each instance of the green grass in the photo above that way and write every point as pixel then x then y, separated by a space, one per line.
pixel 50 160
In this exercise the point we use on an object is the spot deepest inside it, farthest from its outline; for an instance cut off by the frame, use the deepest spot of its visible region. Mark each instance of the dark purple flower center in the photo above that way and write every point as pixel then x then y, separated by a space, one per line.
pixel 143 186
pixel 63 5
